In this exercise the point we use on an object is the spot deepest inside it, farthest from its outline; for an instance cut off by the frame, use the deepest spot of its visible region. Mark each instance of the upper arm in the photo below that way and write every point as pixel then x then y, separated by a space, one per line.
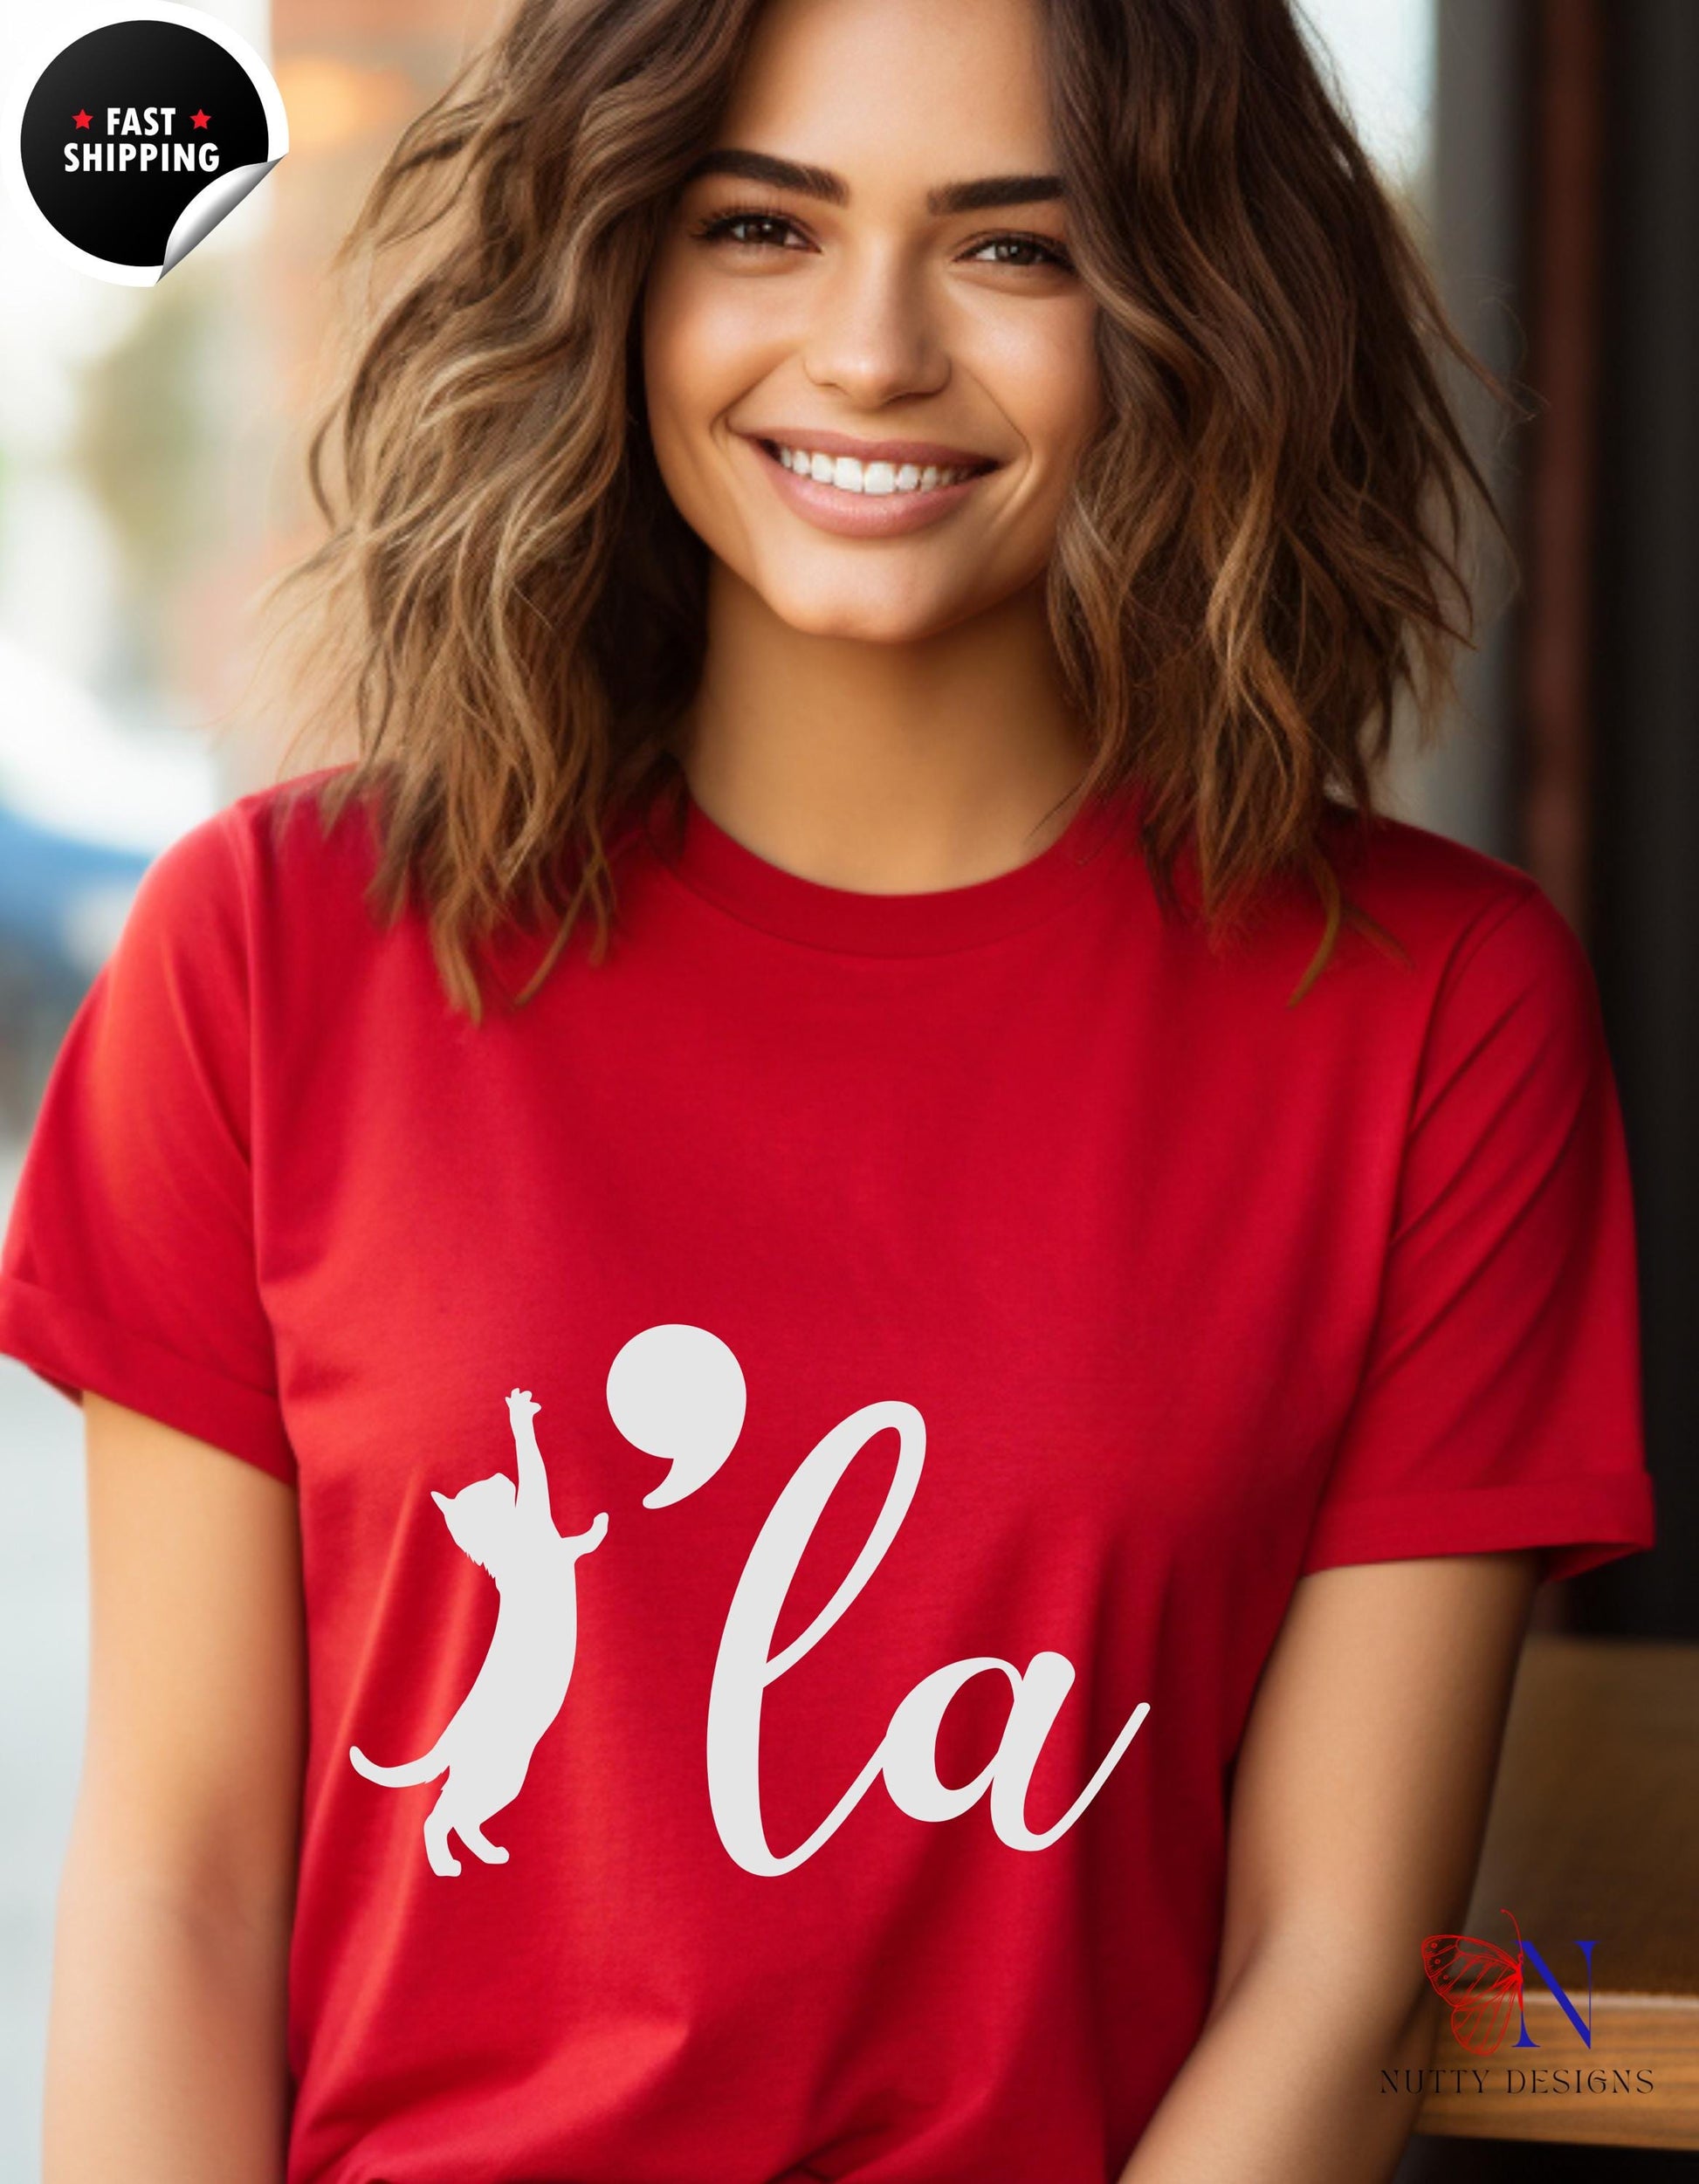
pixel 1498 1405
pixel 1360 1792
pixel 196 1721
pixel 132 1254
pixel 1494 1438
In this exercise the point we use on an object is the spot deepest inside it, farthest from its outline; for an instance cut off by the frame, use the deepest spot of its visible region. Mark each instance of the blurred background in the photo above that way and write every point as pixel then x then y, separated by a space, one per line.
pixel 150 482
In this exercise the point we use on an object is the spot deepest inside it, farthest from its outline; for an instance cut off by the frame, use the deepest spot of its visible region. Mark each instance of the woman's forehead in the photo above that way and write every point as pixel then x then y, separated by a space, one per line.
pixel 856 85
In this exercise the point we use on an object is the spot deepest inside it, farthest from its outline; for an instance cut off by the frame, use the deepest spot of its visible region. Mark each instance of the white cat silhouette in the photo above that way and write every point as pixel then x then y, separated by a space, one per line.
pixel 488 1745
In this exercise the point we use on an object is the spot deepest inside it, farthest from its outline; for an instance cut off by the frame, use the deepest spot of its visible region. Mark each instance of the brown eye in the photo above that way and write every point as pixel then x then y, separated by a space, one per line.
pixel 1021 251
pixel 748 230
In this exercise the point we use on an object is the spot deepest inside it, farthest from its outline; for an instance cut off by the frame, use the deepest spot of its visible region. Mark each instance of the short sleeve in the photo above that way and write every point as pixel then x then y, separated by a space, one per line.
pixel 129 1264
pixel 1500 1406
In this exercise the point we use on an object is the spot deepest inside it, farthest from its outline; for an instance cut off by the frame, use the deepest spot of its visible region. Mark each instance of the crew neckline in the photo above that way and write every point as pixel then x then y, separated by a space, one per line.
pixel 715 866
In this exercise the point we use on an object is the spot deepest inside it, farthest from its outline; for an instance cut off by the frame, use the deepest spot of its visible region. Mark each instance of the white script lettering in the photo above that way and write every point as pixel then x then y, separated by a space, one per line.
pixel 745 1667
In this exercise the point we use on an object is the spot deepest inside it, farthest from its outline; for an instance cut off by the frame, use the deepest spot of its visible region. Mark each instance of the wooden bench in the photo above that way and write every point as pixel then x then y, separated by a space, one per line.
pixel 1594 1834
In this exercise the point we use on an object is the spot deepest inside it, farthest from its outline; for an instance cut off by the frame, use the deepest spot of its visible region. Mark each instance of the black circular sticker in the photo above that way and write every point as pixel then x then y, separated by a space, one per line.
pixel 135 137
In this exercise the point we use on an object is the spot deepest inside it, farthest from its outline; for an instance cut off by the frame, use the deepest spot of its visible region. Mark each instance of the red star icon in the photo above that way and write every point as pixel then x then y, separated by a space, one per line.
pixel 81 118
pixel 199 118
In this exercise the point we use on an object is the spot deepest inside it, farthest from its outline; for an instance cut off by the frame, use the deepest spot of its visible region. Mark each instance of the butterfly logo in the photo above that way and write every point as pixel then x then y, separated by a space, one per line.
pixel 1481 1982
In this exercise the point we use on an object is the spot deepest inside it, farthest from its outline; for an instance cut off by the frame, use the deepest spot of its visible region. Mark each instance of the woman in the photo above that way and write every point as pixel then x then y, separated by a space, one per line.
pixel 906 1324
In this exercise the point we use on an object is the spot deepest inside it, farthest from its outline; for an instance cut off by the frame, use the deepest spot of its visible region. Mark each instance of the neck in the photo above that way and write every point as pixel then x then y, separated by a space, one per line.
pixel 887 768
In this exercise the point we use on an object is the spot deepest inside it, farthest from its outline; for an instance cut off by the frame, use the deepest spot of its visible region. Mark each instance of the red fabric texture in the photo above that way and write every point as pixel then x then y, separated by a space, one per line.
pixel 1079 1295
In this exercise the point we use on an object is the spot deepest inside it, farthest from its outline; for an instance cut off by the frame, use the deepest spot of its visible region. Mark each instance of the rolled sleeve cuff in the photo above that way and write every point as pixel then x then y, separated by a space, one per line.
pixel 73 1349
pixel 1578 1522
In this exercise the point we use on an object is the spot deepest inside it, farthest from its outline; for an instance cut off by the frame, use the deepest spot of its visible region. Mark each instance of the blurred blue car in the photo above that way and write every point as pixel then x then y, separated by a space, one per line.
pixel 62 905
pixel 62 902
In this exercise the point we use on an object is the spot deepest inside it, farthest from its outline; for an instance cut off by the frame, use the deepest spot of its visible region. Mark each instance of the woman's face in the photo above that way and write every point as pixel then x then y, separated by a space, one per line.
pixel 870 272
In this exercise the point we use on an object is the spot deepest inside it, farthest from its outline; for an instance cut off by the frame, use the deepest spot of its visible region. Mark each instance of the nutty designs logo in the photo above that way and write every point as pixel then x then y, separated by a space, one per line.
pixel 1484 1984
pixel 131 139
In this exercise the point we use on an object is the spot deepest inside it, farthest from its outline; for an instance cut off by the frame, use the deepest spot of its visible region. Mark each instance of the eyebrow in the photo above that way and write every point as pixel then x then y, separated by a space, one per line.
pixel 984 196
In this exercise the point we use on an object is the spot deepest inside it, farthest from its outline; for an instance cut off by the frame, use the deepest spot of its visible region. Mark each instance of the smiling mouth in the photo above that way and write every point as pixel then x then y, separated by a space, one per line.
pixel 876 480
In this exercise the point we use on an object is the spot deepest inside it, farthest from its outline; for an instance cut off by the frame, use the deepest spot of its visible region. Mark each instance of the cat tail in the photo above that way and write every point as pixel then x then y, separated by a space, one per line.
pixel 425 1769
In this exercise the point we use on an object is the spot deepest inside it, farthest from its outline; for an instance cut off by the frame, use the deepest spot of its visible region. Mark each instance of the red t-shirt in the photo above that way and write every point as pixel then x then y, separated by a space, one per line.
pixel 953 1322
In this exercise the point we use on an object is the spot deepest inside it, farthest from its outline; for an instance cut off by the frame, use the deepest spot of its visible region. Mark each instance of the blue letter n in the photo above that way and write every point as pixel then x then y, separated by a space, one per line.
pixel 1556 1987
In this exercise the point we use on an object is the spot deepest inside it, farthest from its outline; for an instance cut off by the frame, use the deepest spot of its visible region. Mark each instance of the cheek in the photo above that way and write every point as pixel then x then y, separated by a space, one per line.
pixel 704 344
pixel 1041 368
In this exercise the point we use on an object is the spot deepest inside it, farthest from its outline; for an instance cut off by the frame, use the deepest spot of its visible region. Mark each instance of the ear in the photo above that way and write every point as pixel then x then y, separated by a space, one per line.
pixel 441 1499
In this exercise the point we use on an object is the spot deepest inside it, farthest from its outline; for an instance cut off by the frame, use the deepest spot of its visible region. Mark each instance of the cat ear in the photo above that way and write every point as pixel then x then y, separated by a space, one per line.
pixel 441 1499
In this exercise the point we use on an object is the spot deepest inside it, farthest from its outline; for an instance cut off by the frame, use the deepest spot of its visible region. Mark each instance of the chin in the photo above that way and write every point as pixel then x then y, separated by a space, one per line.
pixel 839 612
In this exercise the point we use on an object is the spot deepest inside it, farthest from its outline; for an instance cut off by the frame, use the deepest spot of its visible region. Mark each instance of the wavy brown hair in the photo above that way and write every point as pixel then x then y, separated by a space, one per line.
pixel 1262 545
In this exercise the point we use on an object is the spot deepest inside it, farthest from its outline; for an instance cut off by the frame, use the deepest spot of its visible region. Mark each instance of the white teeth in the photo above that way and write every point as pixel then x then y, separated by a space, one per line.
pixel 851 474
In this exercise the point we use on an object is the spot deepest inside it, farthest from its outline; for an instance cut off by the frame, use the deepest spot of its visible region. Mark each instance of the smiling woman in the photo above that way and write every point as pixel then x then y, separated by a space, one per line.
pixel 1219 499
pixel 879 513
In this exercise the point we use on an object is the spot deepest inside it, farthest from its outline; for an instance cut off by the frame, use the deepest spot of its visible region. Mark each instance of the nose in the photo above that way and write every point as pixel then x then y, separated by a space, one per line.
pixel 872 334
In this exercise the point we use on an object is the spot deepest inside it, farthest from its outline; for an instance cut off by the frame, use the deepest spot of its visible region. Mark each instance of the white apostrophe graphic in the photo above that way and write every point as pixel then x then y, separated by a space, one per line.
pixel 677 1392
pixel 487 1746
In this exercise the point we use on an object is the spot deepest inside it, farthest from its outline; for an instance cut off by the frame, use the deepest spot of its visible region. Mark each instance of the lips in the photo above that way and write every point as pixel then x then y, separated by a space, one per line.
pixel 884 495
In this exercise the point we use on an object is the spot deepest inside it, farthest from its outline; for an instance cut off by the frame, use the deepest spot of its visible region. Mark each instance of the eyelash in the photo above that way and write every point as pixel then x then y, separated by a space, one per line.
pixel 717 227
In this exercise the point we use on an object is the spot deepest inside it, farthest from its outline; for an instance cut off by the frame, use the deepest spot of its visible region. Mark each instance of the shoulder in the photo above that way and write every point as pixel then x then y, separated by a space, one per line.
pixel 287 835
pixel 1504 981
pixel 1462 914
pixel 273 842
pixel 1403 872
pixel 260 889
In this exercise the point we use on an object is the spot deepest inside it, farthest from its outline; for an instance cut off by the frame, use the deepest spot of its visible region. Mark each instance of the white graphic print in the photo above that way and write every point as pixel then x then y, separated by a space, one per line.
pixel 907 1756
pixel 677 1392
pixel 487 1746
